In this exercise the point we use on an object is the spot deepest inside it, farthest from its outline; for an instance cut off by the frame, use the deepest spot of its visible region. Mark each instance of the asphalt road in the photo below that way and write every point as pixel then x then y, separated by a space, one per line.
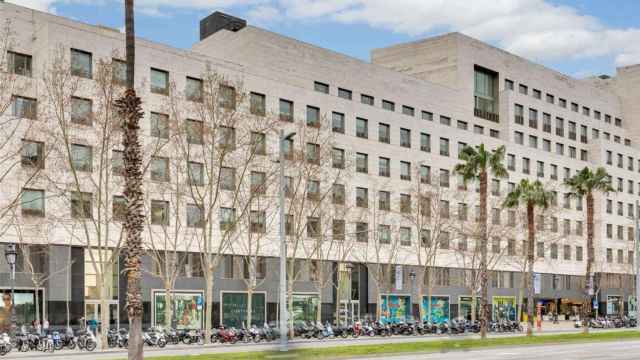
pixel 627 350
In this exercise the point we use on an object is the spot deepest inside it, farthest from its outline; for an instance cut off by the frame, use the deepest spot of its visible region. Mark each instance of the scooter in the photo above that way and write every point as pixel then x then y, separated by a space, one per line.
pixel 5 344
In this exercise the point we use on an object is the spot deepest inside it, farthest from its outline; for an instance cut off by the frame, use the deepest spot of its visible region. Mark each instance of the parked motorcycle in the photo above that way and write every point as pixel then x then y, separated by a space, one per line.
pixel 152 337
pixel 5 344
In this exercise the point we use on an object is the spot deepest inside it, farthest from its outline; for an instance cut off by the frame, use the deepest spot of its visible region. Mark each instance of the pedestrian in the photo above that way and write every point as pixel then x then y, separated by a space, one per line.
pixel 45 326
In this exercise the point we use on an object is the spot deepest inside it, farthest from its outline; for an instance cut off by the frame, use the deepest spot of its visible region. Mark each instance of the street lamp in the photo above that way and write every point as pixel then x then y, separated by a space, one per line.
pixel 412 276
pixel 283 247
pixel 10 255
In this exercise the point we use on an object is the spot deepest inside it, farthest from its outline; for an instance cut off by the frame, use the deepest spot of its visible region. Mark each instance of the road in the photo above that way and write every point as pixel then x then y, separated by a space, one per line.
pixel 626 350
pixel 603 350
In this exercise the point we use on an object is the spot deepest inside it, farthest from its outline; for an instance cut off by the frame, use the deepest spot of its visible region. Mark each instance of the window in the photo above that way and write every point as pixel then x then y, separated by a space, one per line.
pixel 119 208
pixel 537 94
pixel 408 110
pixel 286 110
pixel 258 182
pixel 32 202
pixel 321 87
pixel 159 125
pixel 485 94
pixel 337 122
pixel 119 68
pixel 554 251
pixel 546 145
pixel 384 234
pixel 384 167
pixel 384 200
pixel 362 163
pixel 519 114
pixel 525 165
pixel 257 104
pixel 195 216
pixel 562 103
pixel 444 178
pixel 540 249
pixel 607 118
pixel 540 169
pixel 609 255
pixel 578 253
pixel 81 111
pixel 345 94
pixel 405 236
pixel 227 178
pixel 425 174
pixel 384 133
pixel 194 131
pixel 462 125
pixel 313 116
pixel 533 118
pixel 495 187
pixel 518 138
pixel 159 168
pixel 572 152
pixel 26 108
pixel 595 133
pixel 533 141
pixel 337 158
pixel 193 89
pixel 81 64
pixel 338 229
pixel 227 137
pixel 362 232
pixel 388 105
pixel 511 162
pixel 81 157
pixel 117 162
pixel 19 64
pixel 405 170
pixel 583 155
pixel 312 153
pixel 462 211
pixel 444 147
pixel 313 227
pixel 550 99
pixel 495 245
pixel 259 143
pixel 227 97
pixel 405 138
pixel 405 203
pixel 159 81
pixel 227 218
pixel 366 99
pixel 32 154
pixel 574 107
pixel 559 149
pixel 495 216
pixel 554 172
pixel 362 128
pixel 81 205
pixel 559 126
pixel 425 237
pixel 426 115
pixel 508 84
pixel 444 120
pixel 443 240
pixel 477 129
pixel 425 142
pixel 313 190
pixel 494 133
pixel 338 194
pixel 362 197
pixel 523 89
pixel 196 173
pixel 159 212
pixel 257 221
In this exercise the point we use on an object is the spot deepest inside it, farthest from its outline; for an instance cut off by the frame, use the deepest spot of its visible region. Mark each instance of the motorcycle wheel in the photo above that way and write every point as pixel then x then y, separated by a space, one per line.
pixel 344 335
pixel 3 351
pixel 234 340
pixel 162 343
pixel 257 339
pixel 71 345
pixel 186 340
pixel 90 345
pixel 57 346
pixel 40 346
pixel 24 347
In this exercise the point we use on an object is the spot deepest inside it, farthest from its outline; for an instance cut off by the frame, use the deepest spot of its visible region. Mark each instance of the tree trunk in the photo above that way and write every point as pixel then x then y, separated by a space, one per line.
pixel 249 305
pixel 586 307
pixel 289 318
pixel 208 307
pixel 484 276
pixel 530 260
pixel 104 311
pixel 421 311
pixel 168 304
pixel 37 299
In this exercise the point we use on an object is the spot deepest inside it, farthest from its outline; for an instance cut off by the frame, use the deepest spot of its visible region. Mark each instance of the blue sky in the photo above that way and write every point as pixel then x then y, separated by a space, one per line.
pixel 579 38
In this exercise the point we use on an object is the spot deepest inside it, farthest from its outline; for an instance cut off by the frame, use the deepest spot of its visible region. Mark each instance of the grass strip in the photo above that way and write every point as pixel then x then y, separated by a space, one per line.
pixel 444 345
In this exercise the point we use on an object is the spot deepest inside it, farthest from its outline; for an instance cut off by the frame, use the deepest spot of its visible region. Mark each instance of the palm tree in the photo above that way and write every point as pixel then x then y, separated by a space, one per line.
pixel 584 184
pixel 477 164
pixel 532 195
pixel 130 110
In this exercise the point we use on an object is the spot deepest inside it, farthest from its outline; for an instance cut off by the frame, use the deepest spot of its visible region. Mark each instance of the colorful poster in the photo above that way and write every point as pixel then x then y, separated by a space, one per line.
pixel 395 308
pixel 504 308
pixel 633 307
pixel 187 307
pixel 234 309
pixel 439 309
pixel 465 308
pixel 25 308
pixel 614 305
pixel 399 277
pixel 305 307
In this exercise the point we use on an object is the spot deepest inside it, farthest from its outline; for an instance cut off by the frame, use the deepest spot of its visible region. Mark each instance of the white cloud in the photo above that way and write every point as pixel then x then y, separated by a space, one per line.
pixel 534 29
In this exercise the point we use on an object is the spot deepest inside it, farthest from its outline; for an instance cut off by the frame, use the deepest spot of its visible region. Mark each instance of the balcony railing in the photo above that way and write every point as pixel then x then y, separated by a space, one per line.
pixel 483 114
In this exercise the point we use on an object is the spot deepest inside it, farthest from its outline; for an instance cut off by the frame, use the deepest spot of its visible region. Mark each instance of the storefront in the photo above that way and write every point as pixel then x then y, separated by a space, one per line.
pixel 305 307
pixel 395 308
pixel 465 307
pixel 633 307
pixel 440 309
pixel 570 309
pixel 25 300
pixel 188 309
pixel 233 309
pixel 615 305
pixel 504 308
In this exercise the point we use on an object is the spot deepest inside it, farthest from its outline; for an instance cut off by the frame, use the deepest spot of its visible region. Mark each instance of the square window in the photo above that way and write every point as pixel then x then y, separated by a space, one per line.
pixel 32 202
pixel 388 105
pixel 195 216
pixel 159 81
pixel 366 99
pixel 19 64
pixel 345 94
pixel 195 130
pixel 32 154
pixel 313 116
pixel 286 110
pixel 24 107
pixel 81 111
pixel 159 169
pixel 81 64
pixel 408 110
pixel 196 173
pixel 159 212
pixel 81 157
pixel 257 104
pixel 119 208
pixel 227 97
pixel 193 89
pixel 81 205
pixel 337 122
pixel 321 87
pixel 159 125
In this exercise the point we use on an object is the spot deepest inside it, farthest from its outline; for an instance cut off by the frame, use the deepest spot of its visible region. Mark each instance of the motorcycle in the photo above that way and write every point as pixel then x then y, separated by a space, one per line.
pixel 154 338
pixel 46 343
pixel 172 336
pixel 194 337
pixel 86 340
pixel 22 341
pixel 123 338
pixel 5 344
pixel 112 338
pixel 227 335
pixel 267 333
pixel 57 340
pixel 328 331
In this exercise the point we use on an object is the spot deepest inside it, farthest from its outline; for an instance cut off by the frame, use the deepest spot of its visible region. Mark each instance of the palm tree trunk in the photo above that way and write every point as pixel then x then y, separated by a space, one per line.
pixel 484 275
pixel 530 259
pixel 586 307
pixel 130 111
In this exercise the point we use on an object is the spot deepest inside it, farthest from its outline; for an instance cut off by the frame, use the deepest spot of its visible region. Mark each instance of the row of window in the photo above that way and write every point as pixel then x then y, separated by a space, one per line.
pixel 620 256
pixel 518 138
pixel 620 232
pixel 551 99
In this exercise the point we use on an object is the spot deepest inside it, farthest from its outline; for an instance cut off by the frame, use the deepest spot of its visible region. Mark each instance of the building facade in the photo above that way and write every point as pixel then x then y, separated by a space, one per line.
pixel 401 119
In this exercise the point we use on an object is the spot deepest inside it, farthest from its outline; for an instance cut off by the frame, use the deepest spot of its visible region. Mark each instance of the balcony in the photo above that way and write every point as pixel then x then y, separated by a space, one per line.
pixel 483 114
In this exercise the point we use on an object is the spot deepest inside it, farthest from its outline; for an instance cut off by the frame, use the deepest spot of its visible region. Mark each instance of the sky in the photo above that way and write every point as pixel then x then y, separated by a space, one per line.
pixel 576 37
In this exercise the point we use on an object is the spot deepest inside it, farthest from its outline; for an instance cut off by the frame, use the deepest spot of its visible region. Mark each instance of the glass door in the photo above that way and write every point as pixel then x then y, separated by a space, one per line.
pixel 92 311
pixel 349 311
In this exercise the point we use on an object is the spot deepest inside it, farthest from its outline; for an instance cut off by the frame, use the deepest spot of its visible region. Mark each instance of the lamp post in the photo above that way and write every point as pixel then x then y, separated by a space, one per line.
pixel 10 255
pixel 283 247
pixel 637 263
pixel 348 302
